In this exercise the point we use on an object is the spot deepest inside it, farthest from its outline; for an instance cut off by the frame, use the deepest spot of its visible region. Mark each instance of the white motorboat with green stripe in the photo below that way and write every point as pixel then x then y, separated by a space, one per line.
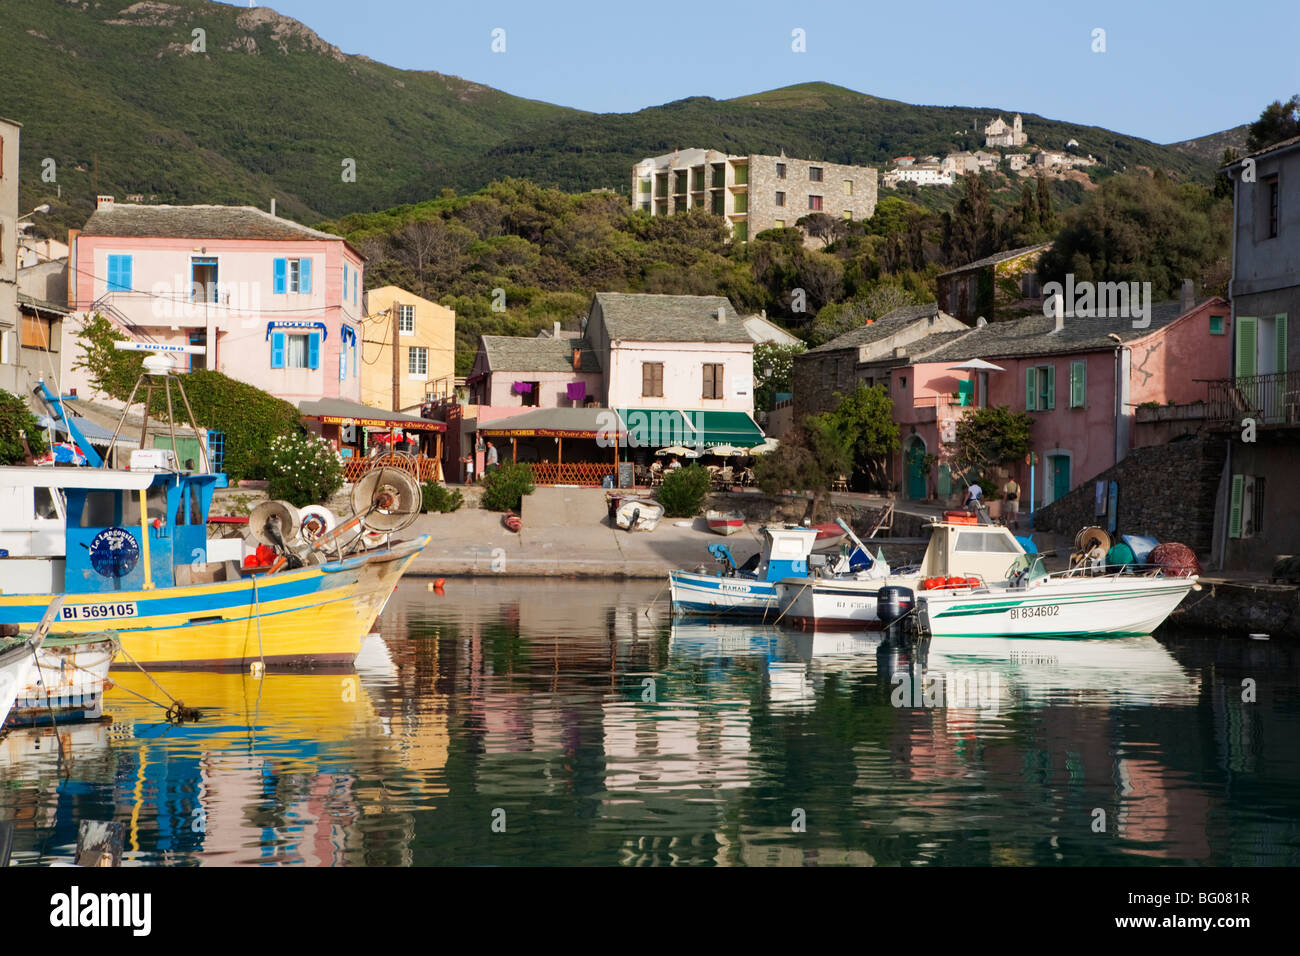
pixel 1033 603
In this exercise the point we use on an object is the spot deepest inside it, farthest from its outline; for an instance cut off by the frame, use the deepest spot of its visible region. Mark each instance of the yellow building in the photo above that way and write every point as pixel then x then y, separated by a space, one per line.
pixel 426 342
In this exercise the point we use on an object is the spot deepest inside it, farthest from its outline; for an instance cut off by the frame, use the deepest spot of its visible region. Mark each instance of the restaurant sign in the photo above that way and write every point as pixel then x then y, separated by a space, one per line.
pixel 410 426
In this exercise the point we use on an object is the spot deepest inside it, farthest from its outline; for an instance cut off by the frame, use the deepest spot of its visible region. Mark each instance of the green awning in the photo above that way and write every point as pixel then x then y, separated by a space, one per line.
pixel 662 427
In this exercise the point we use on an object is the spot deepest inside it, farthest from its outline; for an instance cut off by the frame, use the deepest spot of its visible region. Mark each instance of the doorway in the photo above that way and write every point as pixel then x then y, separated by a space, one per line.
pixel 1059 468
pixel 915 472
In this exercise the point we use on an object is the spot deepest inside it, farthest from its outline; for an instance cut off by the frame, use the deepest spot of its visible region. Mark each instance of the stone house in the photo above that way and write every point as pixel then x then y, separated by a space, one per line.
pixel 1002 285
pixel 840 365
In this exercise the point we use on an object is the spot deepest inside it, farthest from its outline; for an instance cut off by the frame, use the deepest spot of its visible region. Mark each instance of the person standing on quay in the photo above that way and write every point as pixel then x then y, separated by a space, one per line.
pixel 1011 496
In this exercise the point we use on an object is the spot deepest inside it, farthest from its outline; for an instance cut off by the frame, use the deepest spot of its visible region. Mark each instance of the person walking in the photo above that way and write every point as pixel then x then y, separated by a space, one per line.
pixel 491 458
pixel 468 462
pixel 1011 502
pixel 973 495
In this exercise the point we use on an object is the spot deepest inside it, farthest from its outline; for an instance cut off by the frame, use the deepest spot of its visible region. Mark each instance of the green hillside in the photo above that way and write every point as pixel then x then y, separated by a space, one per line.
pixel 116 95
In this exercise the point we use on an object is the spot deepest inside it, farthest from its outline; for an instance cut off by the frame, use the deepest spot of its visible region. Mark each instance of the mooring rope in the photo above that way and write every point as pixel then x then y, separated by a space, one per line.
pixel 177 713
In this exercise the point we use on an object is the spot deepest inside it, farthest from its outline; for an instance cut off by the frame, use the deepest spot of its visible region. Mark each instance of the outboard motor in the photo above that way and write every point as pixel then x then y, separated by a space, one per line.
pixel 894 607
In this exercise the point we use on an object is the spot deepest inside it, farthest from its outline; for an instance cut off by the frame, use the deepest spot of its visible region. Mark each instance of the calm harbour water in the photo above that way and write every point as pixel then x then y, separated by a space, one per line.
pixel 550 722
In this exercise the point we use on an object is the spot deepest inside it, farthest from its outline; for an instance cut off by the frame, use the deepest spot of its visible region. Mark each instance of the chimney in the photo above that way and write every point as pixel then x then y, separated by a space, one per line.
pixel 272 205
pixel 722 314
pixel 103 202
pixel 577 360
pixel 557 328
pixel 1187 297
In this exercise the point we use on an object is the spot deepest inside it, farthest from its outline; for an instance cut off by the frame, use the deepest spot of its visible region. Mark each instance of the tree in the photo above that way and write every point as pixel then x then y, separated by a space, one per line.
pixel 110 370
pixel 988 438
pixel 809 459
pixel 1140 228
pixel 821 226
pixel 1277 122
pixel 1046 217
pixel 16 424
pixel 865 418
pixel 773 371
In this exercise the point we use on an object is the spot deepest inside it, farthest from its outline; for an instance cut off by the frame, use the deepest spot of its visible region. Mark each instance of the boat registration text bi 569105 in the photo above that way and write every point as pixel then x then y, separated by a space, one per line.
pixel 98 612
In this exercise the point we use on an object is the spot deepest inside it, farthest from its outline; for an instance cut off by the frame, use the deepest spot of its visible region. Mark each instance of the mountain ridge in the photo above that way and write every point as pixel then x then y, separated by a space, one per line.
pixel 261 106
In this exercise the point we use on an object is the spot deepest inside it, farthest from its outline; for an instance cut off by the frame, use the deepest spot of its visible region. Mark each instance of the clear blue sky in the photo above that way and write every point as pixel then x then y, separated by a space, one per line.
pixel 1171 70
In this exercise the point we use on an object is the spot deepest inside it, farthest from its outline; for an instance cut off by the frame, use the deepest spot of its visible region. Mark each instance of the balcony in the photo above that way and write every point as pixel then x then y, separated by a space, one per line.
pixel 1272 399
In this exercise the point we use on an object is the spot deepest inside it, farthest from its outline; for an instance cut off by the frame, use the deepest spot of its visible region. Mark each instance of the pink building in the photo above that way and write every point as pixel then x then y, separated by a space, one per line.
pixel 550 371
pixel 276 304
pixel 1080 380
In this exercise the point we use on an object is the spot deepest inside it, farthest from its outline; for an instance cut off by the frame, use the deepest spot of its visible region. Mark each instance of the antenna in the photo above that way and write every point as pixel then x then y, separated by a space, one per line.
pixel 160 363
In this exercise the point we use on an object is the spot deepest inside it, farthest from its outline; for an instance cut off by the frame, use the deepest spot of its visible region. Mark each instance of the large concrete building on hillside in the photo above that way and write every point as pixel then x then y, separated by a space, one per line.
pixel 752 192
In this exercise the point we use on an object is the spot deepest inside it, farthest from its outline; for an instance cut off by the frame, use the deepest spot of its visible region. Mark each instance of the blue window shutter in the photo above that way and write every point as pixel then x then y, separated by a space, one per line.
pixel 355 346
pixel 119 273
pixel 277 348
pixel 304 281
pixel 313 350
pixel 281 285
pixel 343 361
pixel 356 277
pixel 345 280
pixel 1031 389
pixel 1051 386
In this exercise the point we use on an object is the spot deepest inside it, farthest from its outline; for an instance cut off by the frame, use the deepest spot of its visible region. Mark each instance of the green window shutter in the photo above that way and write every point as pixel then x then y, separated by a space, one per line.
pixel 1051 386
pixel 1281 342
pixel 1031 389
pixel 1078 384
pixel 1247 328
pixel 1234 509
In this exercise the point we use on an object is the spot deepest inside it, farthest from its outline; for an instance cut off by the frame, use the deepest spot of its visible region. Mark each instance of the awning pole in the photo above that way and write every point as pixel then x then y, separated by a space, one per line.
pixel 514 450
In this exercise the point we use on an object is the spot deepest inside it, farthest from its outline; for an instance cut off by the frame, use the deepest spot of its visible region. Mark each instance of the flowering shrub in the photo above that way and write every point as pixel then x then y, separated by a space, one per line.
pixel 303 469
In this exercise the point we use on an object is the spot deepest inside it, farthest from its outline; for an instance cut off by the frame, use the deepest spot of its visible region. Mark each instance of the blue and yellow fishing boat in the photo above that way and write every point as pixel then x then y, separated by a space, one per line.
pixel 135 562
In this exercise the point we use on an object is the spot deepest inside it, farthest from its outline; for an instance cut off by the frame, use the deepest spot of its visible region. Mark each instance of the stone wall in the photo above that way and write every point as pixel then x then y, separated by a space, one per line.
pixel 1167 492
pixel 764 184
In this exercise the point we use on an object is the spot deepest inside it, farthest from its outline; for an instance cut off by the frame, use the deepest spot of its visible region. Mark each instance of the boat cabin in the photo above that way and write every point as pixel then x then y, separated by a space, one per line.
pixel 785 552
pixel 960 549
pixel 84 530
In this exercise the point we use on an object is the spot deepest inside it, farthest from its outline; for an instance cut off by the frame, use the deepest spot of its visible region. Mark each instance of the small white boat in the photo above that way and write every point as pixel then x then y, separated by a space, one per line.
pixel 745 589
pixel 69 679
pixel 638 514
pixel 1033 603
pixel 16 666
pixel 957 546
pixel 725 522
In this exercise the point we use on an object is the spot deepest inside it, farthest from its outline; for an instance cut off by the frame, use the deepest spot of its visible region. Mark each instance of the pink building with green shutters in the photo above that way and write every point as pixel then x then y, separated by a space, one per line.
pixel 275 303
pixel 1080 380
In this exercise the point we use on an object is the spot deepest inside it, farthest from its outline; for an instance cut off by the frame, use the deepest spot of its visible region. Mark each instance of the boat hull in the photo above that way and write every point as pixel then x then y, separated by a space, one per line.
pixel 637 514
pixel 1069 607
pixel 313 616
pixel 68 683
pixel 716 595
pixel 725 523
pixel 829 604
pixel 16 667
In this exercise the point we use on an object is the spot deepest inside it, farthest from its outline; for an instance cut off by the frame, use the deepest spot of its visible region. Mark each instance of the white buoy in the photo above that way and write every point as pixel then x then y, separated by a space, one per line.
pixel 1259 637
pixel 256 669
